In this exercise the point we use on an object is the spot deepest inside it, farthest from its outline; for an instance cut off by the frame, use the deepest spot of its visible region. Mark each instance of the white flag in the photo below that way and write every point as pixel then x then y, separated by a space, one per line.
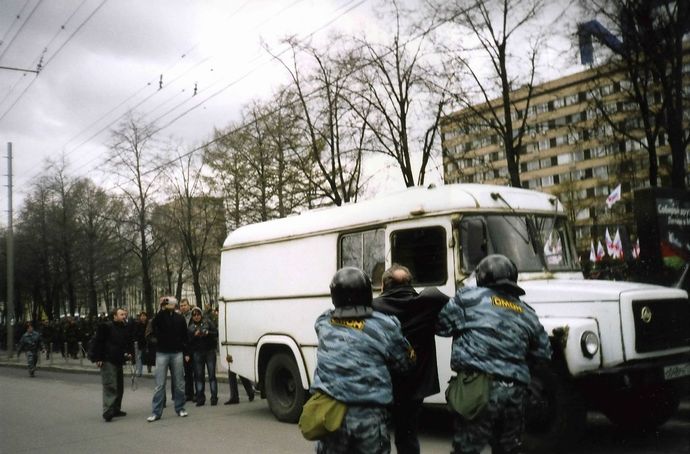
pixel 636 249
pixel 609 244
pixel 618 246
pixel 614 196
pixel 592 252
pixel 600 251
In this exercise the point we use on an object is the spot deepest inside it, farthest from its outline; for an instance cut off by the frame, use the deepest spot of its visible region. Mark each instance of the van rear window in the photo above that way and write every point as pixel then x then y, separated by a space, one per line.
pixel 423 251
pixel 364 250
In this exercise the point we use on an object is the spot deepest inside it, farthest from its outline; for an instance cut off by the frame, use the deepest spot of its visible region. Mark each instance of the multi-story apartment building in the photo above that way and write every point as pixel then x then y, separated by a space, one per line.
pixel 568 150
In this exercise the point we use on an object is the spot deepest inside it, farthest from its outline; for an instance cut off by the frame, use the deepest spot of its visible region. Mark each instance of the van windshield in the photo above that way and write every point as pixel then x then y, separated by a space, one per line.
pixel 534 242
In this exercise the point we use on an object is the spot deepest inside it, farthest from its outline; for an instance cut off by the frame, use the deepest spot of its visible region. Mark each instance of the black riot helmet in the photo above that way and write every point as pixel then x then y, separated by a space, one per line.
pixel 351 293
pixel 498 272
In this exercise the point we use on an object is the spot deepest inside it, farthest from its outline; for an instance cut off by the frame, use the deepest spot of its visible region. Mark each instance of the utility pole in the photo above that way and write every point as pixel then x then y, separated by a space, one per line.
pixel 9 312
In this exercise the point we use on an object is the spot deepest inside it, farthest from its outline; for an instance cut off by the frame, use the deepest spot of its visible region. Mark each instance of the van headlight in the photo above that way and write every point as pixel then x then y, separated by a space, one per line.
pixel 589 342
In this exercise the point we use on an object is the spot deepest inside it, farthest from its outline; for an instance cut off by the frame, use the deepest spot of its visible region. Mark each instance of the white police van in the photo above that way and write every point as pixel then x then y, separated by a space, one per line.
pixel 621 347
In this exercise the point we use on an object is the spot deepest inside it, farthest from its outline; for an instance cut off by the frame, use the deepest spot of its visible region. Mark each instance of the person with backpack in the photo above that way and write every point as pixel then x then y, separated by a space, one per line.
pixel 358 348
pixel 112 345
pixel 496 338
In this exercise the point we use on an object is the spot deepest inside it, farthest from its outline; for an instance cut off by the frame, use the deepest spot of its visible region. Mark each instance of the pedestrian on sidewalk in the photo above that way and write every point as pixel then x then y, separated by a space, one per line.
pixel 31 342
pixel 186 312
pixel 203 338
pixel 170 331
pixel 112 346
pixel 140 338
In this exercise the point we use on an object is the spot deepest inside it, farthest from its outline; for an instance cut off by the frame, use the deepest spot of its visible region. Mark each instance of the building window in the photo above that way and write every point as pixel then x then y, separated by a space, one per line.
pixel 563 159
pixel 601 172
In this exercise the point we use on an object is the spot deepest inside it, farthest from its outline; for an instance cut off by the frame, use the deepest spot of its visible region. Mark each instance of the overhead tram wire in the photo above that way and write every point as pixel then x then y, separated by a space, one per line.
pixel 52 57
pixel 7 47
pixel 174 80
pixel 75 32
pixel 37 60
pixel 163 165
pixel 16 18
pixel 251 71
pixel 109 125
pixel 246 125
pixel 158 168
pixel 258 56
pixel 148 84
pixel 273 111
pixel 2 54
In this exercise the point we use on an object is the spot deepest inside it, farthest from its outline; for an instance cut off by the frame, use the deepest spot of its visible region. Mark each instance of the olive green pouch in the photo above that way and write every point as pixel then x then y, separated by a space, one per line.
pixel 321 415
pixel 468 393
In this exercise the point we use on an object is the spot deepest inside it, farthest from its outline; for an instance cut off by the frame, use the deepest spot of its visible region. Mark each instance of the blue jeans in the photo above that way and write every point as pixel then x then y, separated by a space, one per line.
pixel 163 360
pixel 205 360
pixel 139 358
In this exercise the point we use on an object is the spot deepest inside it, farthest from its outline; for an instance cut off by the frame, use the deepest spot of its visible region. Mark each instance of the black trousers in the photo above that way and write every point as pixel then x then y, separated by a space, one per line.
pixel 405 416
pixel 189 379
pixel 248 386
pixel 113 387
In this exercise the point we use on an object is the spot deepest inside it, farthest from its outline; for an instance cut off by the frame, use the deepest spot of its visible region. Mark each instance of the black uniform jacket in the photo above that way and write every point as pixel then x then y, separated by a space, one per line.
pixel 112 341
pixel 417 313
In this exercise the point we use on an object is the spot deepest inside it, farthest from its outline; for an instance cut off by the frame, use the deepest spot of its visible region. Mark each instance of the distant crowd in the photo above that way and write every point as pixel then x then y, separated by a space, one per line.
pixel 63 336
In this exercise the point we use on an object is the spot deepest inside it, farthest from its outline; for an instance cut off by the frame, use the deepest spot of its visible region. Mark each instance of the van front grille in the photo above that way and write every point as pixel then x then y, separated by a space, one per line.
pixel 661 324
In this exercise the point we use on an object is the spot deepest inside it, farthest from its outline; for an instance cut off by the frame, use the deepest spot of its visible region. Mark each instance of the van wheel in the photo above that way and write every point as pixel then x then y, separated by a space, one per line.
pixel 284 390
pixel 555 412
pixel 642 408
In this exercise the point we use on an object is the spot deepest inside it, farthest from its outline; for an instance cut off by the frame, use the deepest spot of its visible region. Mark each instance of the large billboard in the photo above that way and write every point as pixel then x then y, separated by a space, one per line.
pixel 663 227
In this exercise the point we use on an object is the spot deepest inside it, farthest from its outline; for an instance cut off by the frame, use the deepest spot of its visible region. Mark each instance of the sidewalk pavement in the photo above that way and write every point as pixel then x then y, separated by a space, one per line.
pixel 81 365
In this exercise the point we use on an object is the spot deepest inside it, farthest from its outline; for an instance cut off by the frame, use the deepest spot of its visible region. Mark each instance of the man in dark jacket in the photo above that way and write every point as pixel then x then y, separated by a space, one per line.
pixel 170 330
pixel 417 314
pixel 112 347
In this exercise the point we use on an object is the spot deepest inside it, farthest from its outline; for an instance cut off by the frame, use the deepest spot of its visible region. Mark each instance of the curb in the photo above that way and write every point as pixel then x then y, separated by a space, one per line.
pixel 82 369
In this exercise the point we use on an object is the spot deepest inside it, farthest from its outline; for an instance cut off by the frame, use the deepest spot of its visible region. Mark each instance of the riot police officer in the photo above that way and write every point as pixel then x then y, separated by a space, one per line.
pixel 31 342
pixel 496 334
pixel 357 350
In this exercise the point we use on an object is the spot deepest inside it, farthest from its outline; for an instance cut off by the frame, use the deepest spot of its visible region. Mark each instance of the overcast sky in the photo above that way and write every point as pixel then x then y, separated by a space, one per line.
pixel 102 58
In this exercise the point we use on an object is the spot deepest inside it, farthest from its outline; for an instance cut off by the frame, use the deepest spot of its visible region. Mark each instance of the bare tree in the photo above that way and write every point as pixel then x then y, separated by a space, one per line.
pixel 293 182
pixel 487 71
pixel 99 248
pixel 133 160
pixel 334 142
pixel 231 174
pixel 197 216
pixel 394 85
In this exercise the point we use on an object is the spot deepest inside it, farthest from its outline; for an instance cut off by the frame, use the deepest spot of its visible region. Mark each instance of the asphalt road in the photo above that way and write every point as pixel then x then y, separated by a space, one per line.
pixel 59 412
